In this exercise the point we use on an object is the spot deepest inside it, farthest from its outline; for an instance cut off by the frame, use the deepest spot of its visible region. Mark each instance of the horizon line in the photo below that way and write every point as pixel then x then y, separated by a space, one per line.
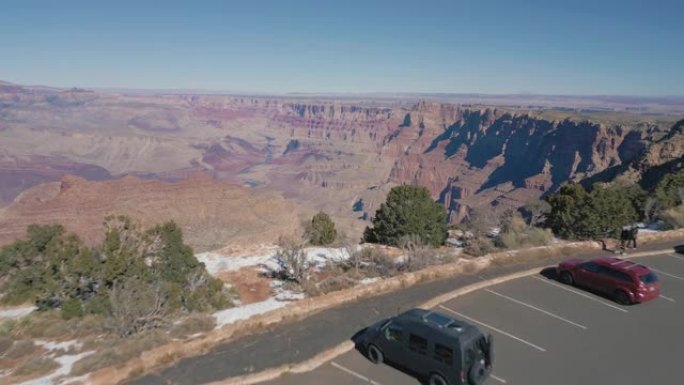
pixel 200 91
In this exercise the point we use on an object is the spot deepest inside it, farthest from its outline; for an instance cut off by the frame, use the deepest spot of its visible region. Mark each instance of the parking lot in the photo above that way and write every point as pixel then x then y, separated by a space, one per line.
pixel 548 333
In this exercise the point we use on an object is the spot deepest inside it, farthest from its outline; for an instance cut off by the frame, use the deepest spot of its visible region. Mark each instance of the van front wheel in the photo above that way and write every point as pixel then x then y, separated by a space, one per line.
pixel 375 354
pixel 436 379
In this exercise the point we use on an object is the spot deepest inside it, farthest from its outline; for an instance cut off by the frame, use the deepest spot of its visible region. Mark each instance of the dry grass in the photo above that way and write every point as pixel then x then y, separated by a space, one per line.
pixel 50 325
pixel 479 246
pixel 35 366
pixel 20 349
pixel 674 217
pixel 117 352
pixel 336 283
pixel 5 344
pixel 193 324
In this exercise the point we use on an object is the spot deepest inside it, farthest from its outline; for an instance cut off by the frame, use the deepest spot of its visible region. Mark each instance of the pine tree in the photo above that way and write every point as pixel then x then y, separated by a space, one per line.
pixel 408 211
pixel 321 231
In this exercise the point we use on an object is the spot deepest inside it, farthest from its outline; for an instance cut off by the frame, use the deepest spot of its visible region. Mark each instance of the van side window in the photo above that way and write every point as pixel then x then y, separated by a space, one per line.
pixel 393 333
pixel 444 354
pixel 418 344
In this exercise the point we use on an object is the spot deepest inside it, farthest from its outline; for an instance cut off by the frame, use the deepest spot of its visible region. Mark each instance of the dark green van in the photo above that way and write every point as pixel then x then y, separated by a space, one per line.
pixel 441 349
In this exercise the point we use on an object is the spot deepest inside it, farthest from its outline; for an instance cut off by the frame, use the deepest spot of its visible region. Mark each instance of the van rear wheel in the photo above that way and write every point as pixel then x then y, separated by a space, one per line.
pixel 375 354
pixel 436 379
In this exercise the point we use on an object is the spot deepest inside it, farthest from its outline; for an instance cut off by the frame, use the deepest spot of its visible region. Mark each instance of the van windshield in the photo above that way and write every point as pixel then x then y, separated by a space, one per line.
pixel 649 278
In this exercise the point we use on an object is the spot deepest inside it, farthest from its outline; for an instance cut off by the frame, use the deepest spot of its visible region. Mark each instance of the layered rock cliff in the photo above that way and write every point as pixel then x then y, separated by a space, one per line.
pixel 324 154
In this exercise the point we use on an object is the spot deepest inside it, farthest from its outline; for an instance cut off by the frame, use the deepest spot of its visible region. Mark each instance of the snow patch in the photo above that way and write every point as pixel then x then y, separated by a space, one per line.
pixel 16 312
pixel 216 263
pixel 367 281
pixel 229 316
pixel 66 362
pixel 265 257
pixel 280 298
pixel 52 346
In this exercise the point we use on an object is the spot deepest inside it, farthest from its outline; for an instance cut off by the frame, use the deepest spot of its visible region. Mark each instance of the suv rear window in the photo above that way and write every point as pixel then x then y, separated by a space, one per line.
pixel 649 278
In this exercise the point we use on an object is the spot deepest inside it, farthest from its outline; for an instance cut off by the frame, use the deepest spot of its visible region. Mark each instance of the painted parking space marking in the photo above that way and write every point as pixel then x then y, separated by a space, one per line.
pixel 581 294
pixel 667 298
pixel 677 257
pixel 528 343
pixel 548 313
pixel 501 380
pixel 353 373
pixel 667 274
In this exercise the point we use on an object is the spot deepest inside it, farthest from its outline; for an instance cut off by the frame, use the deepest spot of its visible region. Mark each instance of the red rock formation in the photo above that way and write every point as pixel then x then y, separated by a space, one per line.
pixel 211 213
pixel 346 151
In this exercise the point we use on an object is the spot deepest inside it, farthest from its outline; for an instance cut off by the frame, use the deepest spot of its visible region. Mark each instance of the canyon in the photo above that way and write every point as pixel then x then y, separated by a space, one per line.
pixel 305 153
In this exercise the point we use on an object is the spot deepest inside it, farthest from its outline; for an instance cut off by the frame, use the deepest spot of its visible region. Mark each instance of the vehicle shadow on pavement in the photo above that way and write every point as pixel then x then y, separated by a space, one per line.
pixel 549 273
pixel 356 338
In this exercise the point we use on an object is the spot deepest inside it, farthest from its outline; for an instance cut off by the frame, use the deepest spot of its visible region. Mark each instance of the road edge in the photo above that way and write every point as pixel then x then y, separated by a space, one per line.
pixel 330 354
pixel 167 355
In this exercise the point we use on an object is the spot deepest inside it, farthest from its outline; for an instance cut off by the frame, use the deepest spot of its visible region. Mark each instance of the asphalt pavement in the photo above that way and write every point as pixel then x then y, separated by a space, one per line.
pixel 547 333
pixel 296 341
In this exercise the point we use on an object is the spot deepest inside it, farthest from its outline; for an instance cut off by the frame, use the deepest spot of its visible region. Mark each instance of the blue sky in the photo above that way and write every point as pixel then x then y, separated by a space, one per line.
pixel 621 47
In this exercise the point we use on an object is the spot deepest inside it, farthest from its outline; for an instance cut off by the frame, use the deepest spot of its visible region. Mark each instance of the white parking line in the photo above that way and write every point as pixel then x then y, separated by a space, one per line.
pixel 494 329
pixel 667 274
pixel 501 380
pixel 581 294
pixel 353 373
pixel 667 298
pixel 677 257
pixel 537 309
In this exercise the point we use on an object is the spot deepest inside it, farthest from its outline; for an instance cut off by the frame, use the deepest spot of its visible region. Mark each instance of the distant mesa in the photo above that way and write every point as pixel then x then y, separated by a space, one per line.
pixel 212 213
pixel 315 152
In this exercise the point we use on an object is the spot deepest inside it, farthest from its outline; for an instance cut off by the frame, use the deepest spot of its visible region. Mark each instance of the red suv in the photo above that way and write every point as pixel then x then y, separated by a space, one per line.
pixel 625 281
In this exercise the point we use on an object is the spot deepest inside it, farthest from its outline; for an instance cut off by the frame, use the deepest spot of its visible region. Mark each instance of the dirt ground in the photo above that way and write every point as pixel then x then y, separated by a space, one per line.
pixel 250 286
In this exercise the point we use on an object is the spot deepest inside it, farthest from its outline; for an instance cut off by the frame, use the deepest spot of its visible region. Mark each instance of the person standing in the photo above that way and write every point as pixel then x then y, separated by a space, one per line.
pixel 634 232
pixel 624 238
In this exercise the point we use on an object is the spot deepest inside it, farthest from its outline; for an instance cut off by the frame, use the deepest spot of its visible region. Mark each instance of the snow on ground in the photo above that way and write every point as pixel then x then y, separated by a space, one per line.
pixel 367 281
pixel 217 262
pixel 65 362
pixel 65 345
pixel 280 298
pixel 265 258
pixel 229 316
pixel 16 312
pixel 282 294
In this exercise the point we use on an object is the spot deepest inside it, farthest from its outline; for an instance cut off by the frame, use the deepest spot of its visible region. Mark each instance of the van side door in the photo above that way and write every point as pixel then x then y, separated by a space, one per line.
pixel 419 356
pixel 393 342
